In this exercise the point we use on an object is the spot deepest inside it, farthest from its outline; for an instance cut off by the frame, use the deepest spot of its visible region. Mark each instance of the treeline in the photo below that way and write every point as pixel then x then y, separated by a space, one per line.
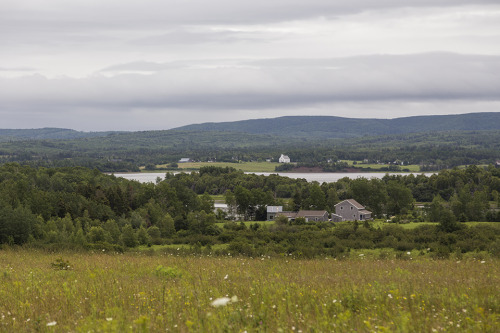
pixel 129 151
pixel 78 206
pixel 315 239
pixel 84 208
pixel 466 192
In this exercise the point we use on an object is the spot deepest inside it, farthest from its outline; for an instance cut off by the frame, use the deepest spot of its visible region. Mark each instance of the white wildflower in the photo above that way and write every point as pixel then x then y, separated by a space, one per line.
pixel 408 253
pixel 389 295
pixel 109 319
pixel 234 299
pixel 225 277
pixel 52 323
pixel 482 262
pixel 223 301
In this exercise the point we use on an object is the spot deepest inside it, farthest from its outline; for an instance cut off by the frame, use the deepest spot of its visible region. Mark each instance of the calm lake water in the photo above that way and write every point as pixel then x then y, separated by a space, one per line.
pixel 319 177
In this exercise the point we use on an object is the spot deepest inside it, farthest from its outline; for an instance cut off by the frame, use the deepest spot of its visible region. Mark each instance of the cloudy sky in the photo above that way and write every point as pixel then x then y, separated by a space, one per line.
pixel 157 64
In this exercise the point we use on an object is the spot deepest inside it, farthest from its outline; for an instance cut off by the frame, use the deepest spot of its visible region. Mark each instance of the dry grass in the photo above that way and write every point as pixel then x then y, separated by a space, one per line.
pixel 141 293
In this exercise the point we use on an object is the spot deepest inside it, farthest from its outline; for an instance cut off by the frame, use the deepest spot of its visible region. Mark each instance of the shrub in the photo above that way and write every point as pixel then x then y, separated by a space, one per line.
pixel 168 272
pixel 61 264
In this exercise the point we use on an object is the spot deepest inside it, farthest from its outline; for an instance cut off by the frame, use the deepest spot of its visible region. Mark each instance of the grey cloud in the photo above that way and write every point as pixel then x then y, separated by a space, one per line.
pixel 196 36
pixel 17 69
pixel 151 13
pixel 277 83
pixel 151 67
pixel 142 66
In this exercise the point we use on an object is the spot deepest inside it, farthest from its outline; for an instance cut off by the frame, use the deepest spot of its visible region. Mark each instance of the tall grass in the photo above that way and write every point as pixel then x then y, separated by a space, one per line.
pixel 148 293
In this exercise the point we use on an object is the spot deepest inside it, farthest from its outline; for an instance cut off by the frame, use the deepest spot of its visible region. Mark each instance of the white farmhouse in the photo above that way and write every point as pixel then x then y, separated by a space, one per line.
pixel 284 159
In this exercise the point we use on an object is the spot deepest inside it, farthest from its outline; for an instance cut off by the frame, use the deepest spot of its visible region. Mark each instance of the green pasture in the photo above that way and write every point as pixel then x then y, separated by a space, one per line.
pixel 243 166
pixel 360 164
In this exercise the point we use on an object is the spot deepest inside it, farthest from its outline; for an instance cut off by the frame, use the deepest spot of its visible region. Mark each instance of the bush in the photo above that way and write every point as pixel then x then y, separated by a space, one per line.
pixel 168 272
pixel 61 264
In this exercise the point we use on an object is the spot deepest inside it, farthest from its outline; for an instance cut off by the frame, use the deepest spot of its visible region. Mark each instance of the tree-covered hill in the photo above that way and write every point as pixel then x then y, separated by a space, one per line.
pixel 338 127
pixel 47 133
pixel 304 139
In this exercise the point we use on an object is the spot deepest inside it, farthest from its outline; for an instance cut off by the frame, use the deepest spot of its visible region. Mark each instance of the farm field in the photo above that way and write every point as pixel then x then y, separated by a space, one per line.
pixel 360 164
pixel 133 292
pixel 244 166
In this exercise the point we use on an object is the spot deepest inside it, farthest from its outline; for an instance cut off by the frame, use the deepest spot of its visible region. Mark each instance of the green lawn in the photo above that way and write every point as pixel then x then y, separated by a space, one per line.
pixel 244 166
pixel 359 164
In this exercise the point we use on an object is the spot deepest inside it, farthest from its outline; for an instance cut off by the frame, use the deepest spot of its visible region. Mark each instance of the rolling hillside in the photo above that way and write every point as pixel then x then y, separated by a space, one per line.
pixel 47 133
pixel 338 127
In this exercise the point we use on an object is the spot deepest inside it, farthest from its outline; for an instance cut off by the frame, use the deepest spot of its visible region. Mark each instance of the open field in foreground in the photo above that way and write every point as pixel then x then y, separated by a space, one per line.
pixel 141 293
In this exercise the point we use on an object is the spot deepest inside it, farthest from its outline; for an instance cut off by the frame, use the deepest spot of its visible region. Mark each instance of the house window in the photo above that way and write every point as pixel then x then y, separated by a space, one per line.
pixel 351 207
pixel 341 207
pixel 360 217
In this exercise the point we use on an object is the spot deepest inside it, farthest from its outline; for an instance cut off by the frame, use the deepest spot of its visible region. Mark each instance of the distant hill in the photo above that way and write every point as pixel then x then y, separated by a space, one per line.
pixel 47 133
pixel 338 127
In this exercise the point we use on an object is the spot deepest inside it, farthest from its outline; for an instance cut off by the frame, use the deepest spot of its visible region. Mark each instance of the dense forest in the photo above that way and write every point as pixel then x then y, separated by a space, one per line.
pixel 328 127
pixel 433 142
pixel 127 152
pixel 83 208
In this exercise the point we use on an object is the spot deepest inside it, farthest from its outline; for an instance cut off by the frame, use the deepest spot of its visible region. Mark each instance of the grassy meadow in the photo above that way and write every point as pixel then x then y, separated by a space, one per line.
pixel 243 166
pixel 375 166
pixel 153 292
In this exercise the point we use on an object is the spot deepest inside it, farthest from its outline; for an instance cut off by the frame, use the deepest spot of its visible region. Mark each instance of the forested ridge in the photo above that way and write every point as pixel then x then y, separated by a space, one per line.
pixel 433 142
pixel 127 152
pixel 83 208
pixel 340 127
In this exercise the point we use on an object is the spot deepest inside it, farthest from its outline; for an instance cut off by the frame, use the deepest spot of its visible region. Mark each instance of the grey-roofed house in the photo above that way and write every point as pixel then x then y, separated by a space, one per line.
pixel 308 215
pixel 351 210
pixel 313 215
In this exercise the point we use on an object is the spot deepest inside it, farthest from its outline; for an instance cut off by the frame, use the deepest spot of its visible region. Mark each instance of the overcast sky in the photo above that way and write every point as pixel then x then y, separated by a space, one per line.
pixel 98 65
